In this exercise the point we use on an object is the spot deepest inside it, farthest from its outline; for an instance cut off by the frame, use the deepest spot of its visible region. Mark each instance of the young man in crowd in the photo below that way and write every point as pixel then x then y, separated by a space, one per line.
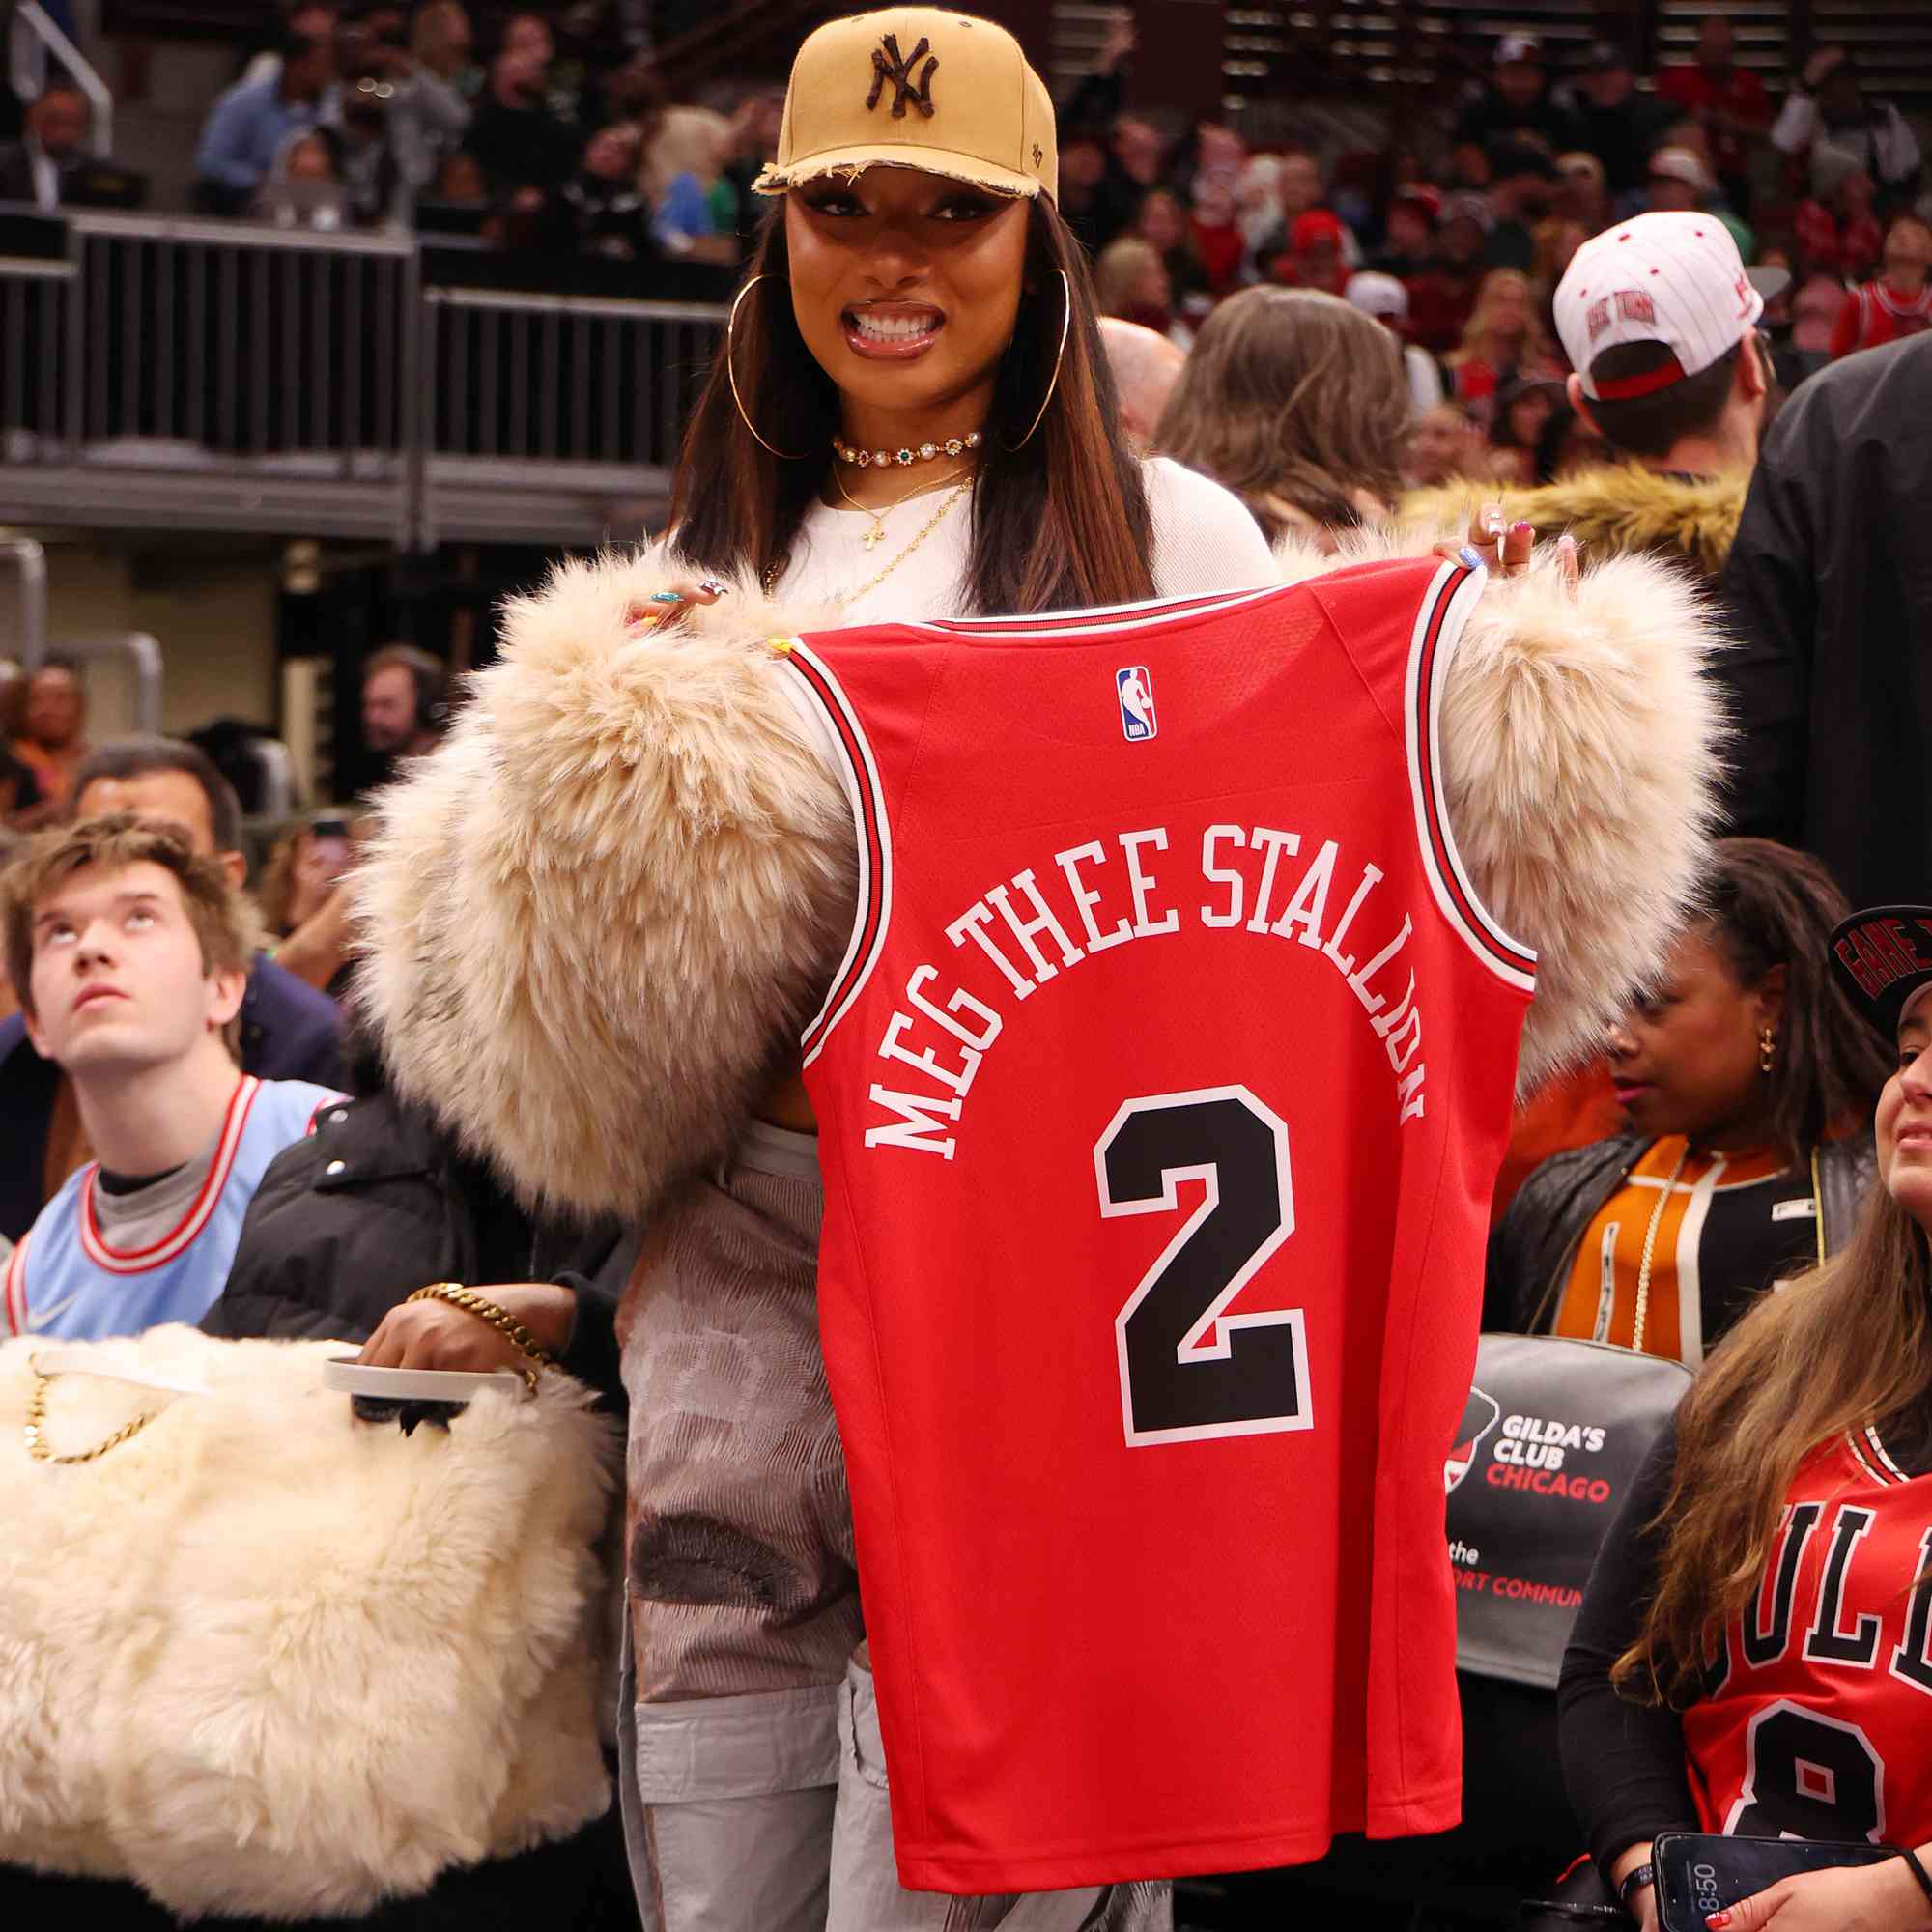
pixel 254 121
pixel 1659 317
pixel 129 953
pixel 286 1030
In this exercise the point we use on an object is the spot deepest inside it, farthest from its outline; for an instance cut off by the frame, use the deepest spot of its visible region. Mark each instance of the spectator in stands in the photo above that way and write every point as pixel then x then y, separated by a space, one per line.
pixel 1745 1079
pixel 602 211
pixel 1444 447
pixel 1315 255
pixel 1585 194
pixel 754 141
pixel 1814 315
pixel 1614 123
pixel 1687 1667
pixel 1130 281
pixel 1522 412
pixel 1898 302
pixel 1215 232
pixel 1161 221
pixel 1840 232
pixel 1827 588
pixel 1442 297
pixel 129 956
pixel 303 870
pixel 53 730
pixel 254 121
pixel 285 1030
pixel 1300 404
pixel 1386 298
pixel 1516 106
pixel 311 19
pixel 1557 240
pixel 693 209
pixel 430 112
pixel 1145 367
pixel 1729 101
pixel 1257 199
pixel 36 167
pixel 404 702
pixel 1503 339
pixel 1409 233
pixel 1522 190
pixel 1297 192
pixel 1828 122
pixel 1139 152
pixel 530 34
pixel 521 142
pixel 1681 183
pixel 304 187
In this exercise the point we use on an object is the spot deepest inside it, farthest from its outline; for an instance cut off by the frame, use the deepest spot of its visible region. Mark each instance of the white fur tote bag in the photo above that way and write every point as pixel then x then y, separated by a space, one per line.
pixel 266 1658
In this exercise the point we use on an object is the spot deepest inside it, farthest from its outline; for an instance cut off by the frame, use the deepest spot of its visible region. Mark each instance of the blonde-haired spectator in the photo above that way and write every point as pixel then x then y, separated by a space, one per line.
pixel 1503 340
pixel 1130 280
pixel 694 207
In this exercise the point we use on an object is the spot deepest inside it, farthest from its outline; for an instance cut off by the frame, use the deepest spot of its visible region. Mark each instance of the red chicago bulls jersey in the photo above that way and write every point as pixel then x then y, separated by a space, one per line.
pixel 1160 1095
pixel 1820 1723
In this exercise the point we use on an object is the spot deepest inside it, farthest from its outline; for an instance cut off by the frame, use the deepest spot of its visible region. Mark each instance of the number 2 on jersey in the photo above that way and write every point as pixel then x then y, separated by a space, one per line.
pixel 1188 1371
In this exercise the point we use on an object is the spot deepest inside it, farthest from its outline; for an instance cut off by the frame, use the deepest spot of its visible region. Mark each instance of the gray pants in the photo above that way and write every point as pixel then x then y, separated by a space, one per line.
pixel 770 1812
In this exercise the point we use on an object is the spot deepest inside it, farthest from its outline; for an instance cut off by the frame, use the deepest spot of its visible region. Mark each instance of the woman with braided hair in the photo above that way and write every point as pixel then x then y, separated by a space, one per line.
pixel 601 916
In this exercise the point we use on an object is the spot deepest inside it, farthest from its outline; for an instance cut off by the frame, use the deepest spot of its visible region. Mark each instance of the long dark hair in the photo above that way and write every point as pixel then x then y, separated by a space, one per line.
pixel 1060 523
pixel 1771 906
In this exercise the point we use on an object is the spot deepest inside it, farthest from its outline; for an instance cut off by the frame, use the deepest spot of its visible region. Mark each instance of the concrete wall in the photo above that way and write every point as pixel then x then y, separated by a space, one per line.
pixel 214 620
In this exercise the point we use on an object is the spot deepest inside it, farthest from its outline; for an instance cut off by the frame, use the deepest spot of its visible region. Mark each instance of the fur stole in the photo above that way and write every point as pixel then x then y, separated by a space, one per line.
pixel 267 1659
pixel 596 917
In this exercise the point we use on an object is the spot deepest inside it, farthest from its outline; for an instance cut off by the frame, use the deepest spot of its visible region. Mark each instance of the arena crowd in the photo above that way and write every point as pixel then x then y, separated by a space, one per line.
pixel 1651 355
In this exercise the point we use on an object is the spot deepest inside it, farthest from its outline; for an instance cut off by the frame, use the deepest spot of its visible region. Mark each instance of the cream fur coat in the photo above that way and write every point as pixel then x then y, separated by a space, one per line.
pixel 598 913
pixel 265 1658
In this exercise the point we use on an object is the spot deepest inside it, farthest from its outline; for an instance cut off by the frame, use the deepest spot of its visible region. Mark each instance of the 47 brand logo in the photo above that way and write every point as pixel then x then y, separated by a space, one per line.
pixel 892 70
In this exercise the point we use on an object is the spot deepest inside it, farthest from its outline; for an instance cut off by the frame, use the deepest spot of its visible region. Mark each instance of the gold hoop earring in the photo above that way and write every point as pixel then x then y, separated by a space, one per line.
pixel 1065 329
pixel 730 370
pixel 1767 1049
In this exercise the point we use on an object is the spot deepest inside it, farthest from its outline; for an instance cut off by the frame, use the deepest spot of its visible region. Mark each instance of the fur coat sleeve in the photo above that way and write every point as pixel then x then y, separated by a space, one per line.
pixel 598 915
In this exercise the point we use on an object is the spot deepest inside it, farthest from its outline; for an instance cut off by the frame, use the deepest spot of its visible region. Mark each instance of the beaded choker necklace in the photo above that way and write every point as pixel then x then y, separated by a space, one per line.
pixel 926 453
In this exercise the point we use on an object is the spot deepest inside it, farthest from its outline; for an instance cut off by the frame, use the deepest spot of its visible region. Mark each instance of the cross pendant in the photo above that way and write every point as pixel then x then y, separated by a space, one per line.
pixel 875 537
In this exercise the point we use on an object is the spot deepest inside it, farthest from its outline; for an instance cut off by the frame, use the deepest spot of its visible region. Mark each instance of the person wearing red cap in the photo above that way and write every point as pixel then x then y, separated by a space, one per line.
pixel 1314 256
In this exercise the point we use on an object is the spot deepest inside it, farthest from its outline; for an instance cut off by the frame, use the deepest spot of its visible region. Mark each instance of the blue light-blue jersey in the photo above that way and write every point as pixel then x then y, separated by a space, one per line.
pixel 65 1279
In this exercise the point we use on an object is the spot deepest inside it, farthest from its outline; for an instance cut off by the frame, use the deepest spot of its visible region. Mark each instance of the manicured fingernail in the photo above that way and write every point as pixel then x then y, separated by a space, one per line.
pixel 1472 557
pixel 1492 519
pixel 712 587
pixel 666 597
pixel 1521 528
pixel 1718 1920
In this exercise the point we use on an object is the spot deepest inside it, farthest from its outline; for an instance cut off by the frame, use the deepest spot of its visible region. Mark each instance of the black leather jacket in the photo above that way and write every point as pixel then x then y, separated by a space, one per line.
pixel 1533 1246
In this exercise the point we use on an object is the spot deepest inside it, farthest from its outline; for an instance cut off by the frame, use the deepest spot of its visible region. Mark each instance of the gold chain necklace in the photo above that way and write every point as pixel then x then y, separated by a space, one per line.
pixel 1650 1249
pixel 876 536
pixel 932 522
pixel 41 1451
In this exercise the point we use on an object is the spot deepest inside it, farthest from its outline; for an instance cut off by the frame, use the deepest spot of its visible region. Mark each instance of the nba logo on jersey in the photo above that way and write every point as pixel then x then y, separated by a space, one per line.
pixel 1136 691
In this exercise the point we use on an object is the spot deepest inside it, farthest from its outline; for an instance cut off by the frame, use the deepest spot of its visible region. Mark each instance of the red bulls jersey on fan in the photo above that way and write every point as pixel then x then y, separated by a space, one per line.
pixel 1160 1096
pixel 1820 1725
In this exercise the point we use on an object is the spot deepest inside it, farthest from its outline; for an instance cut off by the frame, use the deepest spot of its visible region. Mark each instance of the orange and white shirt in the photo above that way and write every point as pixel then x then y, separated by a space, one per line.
pixel 1721 1229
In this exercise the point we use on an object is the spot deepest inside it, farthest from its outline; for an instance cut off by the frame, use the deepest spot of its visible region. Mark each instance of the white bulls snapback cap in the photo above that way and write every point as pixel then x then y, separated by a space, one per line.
pixel 1675 279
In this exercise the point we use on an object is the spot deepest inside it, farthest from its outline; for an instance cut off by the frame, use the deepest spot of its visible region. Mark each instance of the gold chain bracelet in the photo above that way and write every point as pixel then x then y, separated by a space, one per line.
pixel 37 1445
pixel 500 1319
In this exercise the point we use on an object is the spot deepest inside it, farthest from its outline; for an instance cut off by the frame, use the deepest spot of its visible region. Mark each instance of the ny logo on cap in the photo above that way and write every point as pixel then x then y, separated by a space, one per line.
pixel 890 67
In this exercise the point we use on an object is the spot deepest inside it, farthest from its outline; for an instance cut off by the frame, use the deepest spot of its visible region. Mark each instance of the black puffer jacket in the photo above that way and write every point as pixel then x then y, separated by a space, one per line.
pixel 377 1202
pixel 1534 1244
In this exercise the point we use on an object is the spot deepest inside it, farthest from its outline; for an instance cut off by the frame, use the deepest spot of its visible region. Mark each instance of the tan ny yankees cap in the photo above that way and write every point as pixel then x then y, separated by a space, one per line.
pixel 917 87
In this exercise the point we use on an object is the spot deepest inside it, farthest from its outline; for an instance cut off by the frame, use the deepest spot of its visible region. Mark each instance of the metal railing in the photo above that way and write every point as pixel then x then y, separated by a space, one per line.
pixel 34 36
pixel 158 372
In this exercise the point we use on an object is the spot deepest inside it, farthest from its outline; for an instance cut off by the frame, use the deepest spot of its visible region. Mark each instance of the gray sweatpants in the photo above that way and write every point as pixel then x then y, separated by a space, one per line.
pixel 772 1813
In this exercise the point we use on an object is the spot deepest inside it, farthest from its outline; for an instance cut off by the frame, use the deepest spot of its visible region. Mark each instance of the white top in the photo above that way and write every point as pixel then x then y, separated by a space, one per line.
pixel 1204 541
